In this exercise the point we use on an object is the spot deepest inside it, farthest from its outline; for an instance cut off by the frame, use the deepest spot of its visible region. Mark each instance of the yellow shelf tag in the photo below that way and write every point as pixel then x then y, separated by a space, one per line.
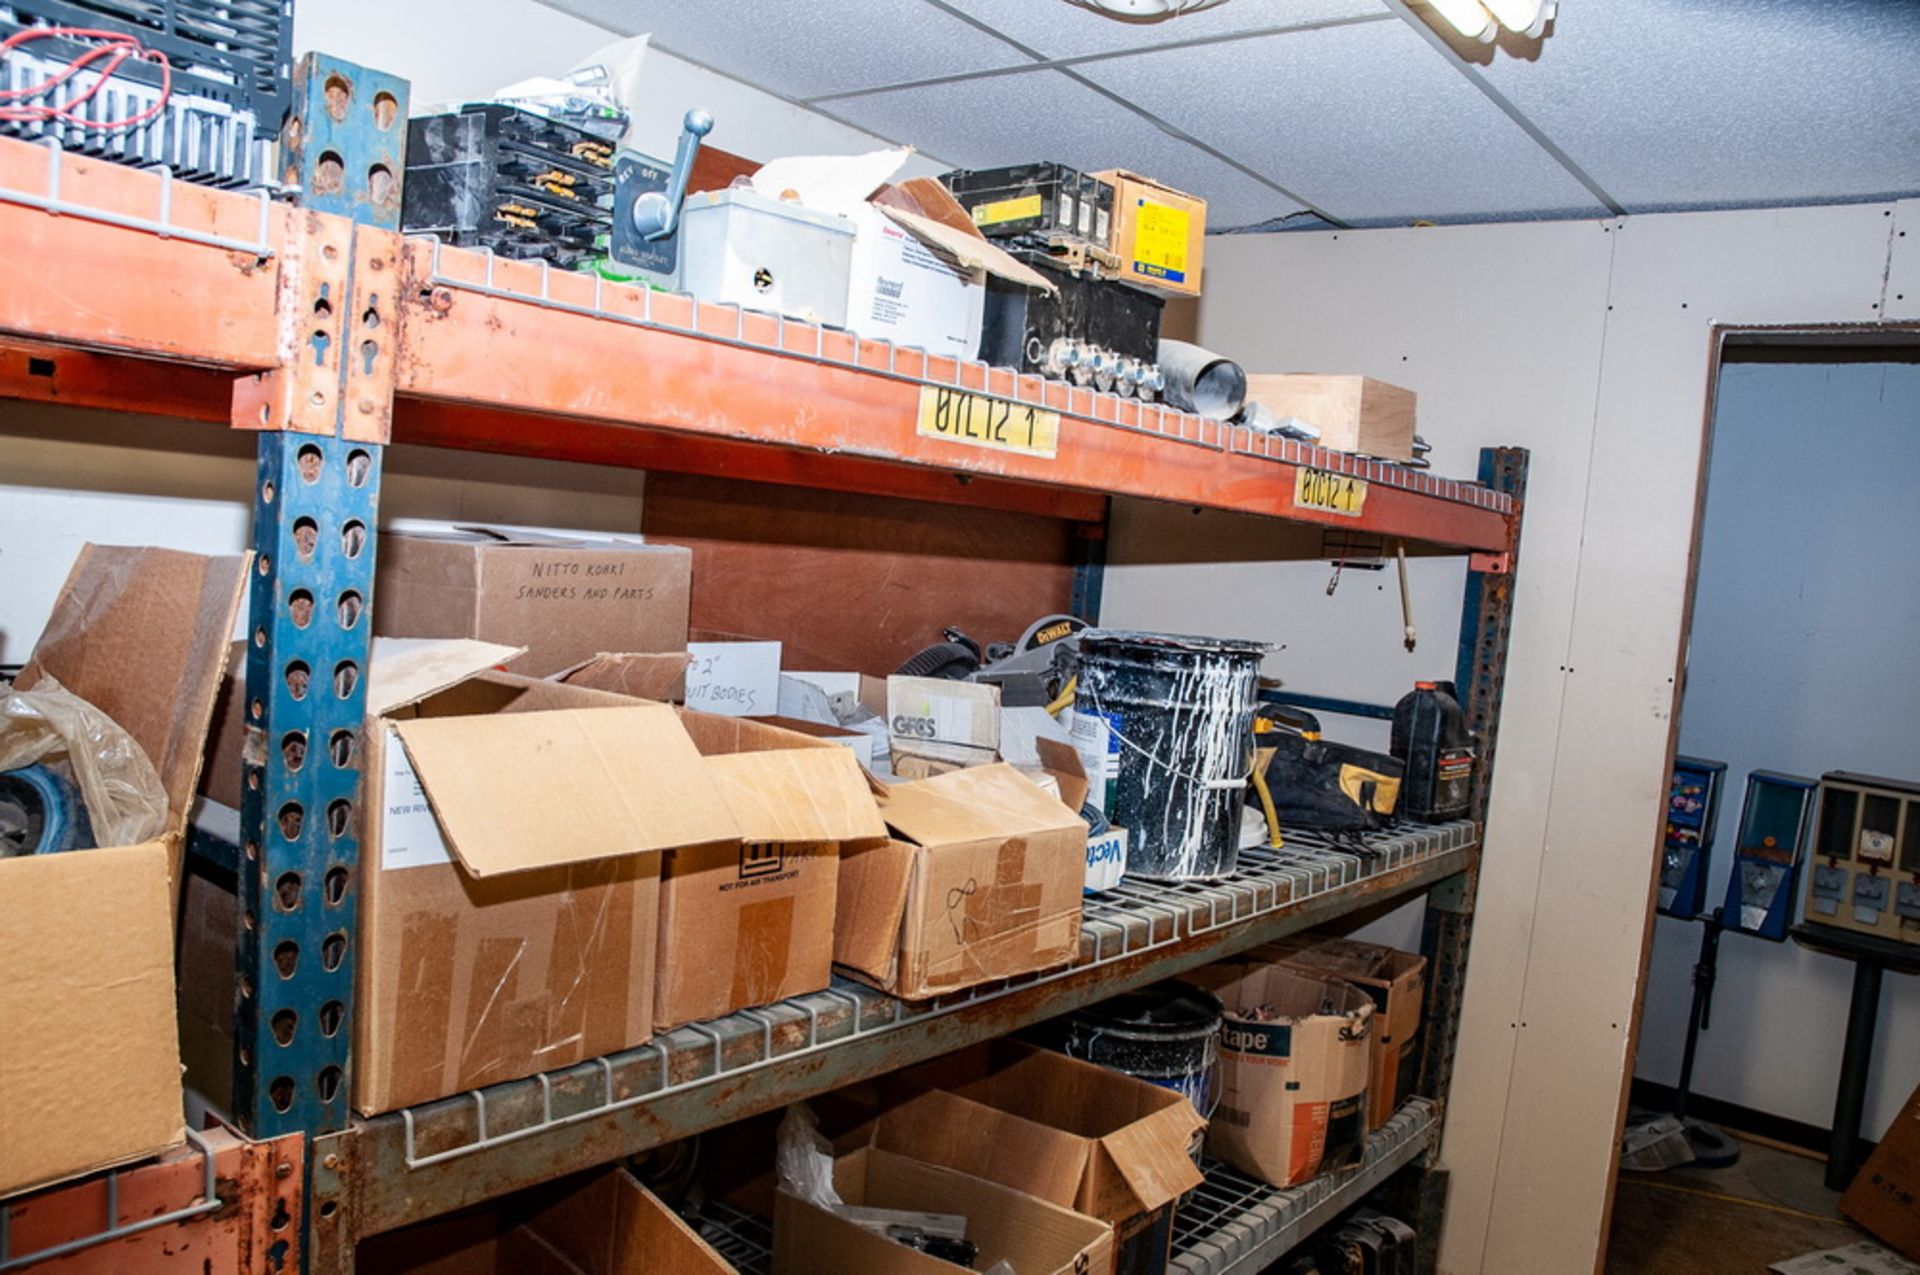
pixel 1329 492
pixel 959 416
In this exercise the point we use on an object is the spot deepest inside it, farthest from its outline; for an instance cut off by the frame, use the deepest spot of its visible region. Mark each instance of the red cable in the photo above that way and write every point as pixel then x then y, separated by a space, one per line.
pixel 116 47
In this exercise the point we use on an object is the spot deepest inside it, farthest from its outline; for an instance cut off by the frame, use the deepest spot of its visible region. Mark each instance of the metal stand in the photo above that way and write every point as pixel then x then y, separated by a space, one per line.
pixel 1871 957
pixel 1712 1149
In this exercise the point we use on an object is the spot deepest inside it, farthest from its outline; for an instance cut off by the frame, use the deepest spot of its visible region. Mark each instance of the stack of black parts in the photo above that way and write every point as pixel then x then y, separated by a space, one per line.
pixel 1093 330
pixel 516 183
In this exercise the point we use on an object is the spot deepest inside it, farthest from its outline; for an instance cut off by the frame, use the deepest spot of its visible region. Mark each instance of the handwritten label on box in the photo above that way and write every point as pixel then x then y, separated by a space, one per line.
pixel 735 679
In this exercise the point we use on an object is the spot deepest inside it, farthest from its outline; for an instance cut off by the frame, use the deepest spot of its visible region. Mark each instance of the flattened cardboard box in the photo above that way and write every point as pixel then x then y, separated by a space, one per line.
pixel 1031 1235
pixel 1395 980
pixel 982 880
pixel 510 886
pixel 1885 1195
pixel 1108 1145
pixel 89 1045
pixel 564 600
pixel 611 1225
pixel 750 921
pixel 1293 1083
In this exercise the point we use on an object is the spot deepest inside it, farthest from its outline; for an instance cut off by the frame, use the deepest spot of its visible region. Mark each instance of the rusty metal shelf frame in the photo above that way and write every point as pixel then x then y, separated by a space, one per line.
pixel 1233 1224
pixel 405 1166
pixel 883 359
pixel 114 1229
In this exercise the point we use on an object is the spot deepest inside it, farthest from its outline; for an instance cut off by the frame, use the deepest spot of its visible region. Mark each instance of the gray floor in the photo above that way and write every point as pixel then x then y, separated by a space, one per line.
pixel 1771 1205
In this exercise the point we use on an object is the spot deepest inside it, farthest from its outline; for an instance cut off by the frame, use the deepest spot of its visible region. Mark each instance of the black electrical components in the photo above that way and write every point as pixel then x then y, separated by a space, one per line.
pixel 511 181
pixel 1091 331
pixel 1036 204
pixel 197 86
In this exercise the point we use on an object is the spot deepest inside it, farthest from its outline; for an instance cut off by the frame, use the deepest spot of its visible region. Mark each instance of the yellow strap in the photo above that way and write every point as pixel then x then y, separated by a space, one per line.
pixel 1274 838
pixel 1066 696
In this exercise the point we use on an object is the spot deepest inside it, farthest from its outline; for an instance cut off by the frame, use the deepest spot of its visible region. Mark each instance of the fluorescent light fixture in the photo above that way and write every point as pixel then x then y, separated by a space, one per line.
pixel 1469 17
pixel 1525 17
pixel 1144 10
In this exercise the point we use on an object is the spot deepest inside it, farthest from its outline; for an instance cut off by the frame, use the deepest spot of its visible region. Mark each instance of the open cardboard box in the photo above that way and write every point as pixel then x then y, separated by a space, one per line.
pixel 510 870
pixel 561 598
pixel 981 880
pixel 1033 1236
pixel 751 921
pixel 608 1225
pixel 89 1050
pixel 1395 980
pixel 1108 1145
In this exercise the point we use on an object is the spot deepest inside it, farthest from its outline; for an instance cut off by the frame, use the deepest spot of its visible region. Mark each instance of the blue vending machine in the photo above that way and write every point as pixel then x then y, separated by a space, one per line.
pixel 1775 820
pixel 1693 808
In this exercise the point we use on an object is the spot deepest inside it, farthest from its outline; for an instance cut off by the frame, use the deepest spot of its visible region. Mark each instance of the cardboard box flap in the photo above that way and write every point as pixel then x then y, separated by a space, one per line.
pixel 1062 761
pixel 871 911
pixel 958 1133
pixel 650 675
pixel 974 804
pixel 797 795
pixel 142 635
pixel 1146 1164
pixel 403 671
pixel 541 789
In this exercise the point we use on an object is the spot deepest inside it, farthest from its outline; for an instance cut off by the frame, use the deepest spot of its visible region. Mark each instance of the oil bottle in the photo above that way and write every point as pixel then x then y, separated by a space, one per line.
pixel 1430 735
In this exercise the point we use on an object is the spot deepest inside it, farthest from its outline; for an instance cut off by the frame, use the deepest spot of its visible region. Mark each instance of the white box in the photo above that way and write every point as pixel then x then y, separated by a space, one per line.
pixel 758 253
pixel 911 292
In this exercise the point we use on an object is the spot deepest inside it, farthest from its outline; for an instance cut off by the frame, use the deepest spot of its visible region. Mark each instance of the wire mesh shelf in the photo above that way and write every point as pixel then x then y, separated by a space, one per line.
pixel 1236 1225
pixel 1120 925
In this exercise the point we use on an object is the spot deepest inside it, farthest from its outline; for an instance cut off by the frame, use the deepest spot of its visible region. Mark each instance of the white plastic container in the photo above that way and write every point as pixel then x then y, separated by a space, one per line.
pixel 758 253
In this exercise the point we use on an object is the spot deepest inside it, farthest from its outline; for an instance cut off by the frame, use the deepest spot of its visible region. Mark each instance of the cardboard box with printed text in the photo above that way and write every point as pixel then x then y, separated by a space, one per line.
pixel 563 599
pixel 510 870
pixel 1395 980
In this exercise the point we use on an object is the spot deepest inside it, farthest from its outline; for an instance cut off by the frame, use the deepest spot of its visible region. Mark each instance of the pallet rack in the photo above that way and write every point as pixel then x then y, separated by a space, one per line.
pixel 316 325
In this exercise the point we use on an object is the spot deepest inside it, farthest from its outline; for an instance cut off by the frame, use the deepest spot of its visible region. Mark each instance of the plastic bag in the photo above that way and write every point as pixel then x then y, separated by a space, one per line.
pixel 803 1159
pixel 125 800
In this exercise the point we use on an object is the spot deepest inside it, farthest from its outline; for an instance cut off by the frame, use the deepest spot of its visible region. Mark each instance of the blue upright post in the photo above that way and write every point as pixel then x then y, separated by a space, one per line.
pixel 325 413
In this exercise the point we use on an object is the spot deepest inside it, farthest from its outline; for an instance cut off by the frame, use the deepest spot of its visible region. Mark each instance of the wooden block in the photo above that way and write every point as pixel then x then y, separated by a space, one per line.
pixel 1352 413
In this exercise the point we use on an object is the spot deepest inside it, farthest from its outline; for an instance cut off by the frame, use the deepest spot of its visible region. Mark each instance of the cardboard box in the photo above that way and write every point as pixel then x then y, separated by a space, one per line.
pixel 948 723
pixel 612 1225
pixel 1033 1236
pixel 510 871
pixel 1293 1085
pixel 981 881
pixel 564 600
pixel 750 921
pixel 1108 1145
pixel 1159 234
pixel 1352 413
pixel 1885 1195
pixel 653 675
pixel 1395 980
pixel 89 1047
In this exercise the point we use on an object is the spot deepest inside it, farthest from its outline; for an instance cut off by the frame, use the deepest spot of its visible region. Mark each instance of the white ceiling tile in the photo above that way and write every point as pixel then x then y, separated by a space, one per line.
pixel 1367 122
pixel 1045 115
pixel 801 50
pixel 1059 29
pixel 1764 101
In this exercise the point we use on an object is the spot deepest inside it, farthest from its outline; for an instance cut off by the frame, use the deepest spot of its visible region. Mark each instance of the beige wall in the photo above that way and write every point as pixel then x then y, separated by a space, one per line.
pixel 1590 343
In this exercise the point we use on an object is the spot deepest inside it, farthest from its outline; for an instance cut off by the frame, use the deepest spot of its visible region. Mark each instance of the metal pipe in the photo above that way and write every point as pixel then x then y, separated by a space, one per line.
pixel 1201 381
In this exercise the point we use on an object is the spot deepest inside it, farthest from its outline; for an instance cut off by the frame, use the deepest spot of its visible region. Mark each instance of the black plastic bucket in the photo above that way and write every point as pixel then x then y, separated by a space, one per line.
pixel 1167 1034
pixel 1180 710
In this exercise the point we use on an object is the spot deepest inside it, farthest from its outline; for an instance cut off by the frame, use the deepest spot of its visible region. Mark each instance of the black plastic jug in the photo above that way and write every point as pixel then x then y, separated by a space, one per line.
pixel 1430 735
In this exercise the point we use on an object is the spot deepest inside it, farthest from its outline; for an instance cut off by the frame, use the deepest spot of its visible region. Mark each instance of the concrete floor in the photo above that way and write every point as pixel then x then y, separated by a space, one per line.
pixel 1769 1206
